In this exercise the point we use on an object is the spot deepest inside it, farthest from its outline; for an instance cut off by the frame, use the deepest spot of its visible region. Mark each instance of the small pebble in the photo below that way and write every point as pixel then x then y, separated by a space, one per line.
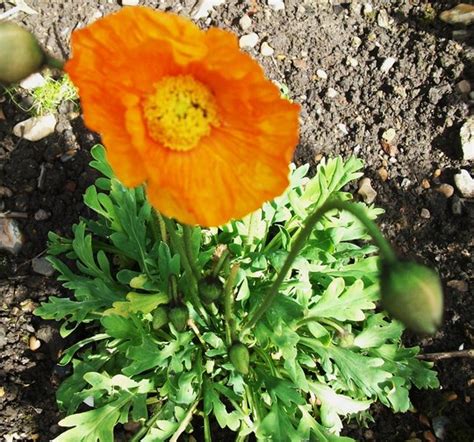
pixel 462 14
pixel 456 205
pixel 266 50
pixel 332 93
pixel 366 191
pixel 322 74
pixel 429 436
pixel 130 2
pixel 439 426
pixel 459 285
pixel 465 183
pixel 464 87
pixel 351 61
pixel 368 9
pixel 467 139
pixel 34 81
pixel 34 343
pixel 389 135
pixel 387 64
pixel 425 213
pixel 425 184
pixel 437 173
pixel 35 128
pixel 383 174
pixel 383 19
pixel 5 192
pixel 42 266
pixel 405 183
pixel 356 42
pixel 248 41
pixel 245 22
pixel 11 238
pixel 343 129
pixel 276 5
pixel 446 189
pixel 41 215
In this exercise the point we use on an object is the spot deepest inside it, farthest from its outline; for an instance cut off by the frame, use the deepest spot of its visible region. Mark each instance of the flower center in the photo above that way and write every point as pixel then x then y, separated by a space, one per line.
pixel 180 112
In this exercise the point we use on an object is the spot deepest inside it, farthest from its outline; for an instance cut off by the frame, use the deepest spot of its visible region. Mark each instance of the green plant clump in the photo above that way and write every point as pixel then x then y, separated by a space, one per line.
pixel 320 353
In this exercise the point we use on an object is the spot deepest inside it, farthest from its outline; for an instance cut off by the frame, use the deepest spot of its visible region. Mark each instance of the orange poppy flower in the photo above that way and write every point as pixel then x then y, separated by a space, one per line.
pixel 184 111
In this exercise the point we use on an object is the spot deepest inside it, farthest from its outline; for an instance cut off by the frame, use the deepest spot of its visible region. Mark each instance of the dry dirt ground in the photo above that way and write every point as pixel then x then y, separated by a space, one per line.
pixel 329 55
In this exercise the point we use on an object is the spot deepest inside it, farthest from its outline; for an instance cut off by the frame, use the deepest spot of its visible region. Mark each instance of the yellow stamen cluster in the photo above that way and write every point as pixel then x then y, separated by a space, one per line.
pixel 180 112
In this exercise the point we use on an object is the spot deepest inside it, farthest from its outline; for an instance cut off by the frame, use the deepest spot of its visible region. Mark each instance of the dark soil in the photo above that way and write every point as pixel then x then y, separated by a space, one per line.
pixel 418 97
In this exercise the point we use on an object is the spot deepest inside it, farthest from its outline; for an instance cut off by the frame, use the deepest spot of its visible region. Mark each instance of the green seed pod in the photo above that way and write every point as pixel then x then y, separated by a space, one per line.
pixel 160 317
pixel 20 53
pixel 210 289
pixel 240 357
pixel 179 317
pixel 412 293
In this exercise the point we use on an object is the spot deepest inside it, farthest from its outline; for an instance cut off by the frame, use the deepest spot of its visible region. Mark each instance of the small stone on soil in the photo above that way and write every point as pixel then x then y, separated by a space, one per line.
pixel 387 64
pixel 5 192
pixel 42 266
pixel 462 14
pixel 248 41
pixel 322 74
pixel 467 139
pixel 332 93
pixel 35 128
pixel 446 189
pixel 204 7
pixel 343 129
pixel 351 61
pixel 11 238
pixel 465 183
pixel 389 135
pixel 129 2
pixel 425 213
pixel 464 87
pixel 383 20
pixel 366 191
pixel 41 215
pixel 266 50
pixel 459 285
pixel 425 184
pixel 383 174
pixel 34 343
pixel 276 5
pixel 245 22
pixel 34 81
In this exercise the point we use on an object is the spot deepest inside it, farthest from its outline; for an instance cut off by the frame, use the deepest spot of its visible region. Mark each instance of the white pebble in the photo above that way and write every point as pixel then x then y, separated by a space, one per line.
pixel 322 74
pixel 332 93
pixel 266 50
pixel 343 128
pixel 276 5
pixel 35 128
pixel 11 238
pixel 465 183
pixel 366 191
pixel 34 81
pixel 389 135
pixel 467 139
pixel 425 213
pixel 245 22
pixel 130 2
pixel 248 41
pixel 351 61
pixel 387 64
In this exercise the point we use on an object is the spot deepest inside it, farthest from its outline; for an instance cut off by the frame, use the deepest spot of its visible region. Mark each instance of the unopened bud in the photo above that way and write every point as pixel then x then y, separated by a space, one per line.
pixel 20 53
pixel 240 357
pixel 210 289
pixel 160 317
pixel 179 317
pixel 412 293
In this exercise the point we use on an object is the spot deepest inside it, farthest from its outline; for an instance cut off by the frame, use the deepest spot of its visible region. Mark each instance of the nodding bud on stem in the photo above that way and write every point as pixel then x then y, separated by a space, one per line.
pixel 179 316
pixel 20 53
pixel 412 293
pixel 210 289
pixel 240 357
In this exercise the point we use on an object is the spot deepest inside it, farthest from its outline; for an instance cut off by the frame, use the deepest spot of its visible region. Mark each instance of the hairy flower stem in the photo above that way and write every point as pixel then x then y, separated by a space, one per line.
pixel 231 334
pixel 187 236
pixel 159 220
pixel 385 249
pixel 146 427
pixel 185 422
pixel 207 428
pixel 178 246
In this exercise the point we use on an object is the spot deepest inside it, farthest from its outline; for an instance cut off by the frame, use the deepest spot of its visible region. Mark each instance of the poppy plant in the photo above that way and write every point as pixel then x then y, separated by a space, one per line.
pixel 185 112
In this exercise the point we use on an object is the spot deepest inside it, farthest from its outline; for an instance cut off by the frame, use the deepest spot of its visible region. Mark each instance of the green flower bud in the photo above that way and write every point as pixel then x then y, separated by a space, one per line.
pixel 412 293
pixel 240 357
pixel 160 317
pixel 210 289
pixel 179 317
pixel 20 53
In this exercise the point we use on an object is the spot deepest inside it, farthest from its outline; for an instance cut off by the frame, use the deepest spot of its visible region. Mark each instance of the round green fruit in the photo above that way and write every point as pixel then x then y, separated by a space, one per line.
pixel 240 357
